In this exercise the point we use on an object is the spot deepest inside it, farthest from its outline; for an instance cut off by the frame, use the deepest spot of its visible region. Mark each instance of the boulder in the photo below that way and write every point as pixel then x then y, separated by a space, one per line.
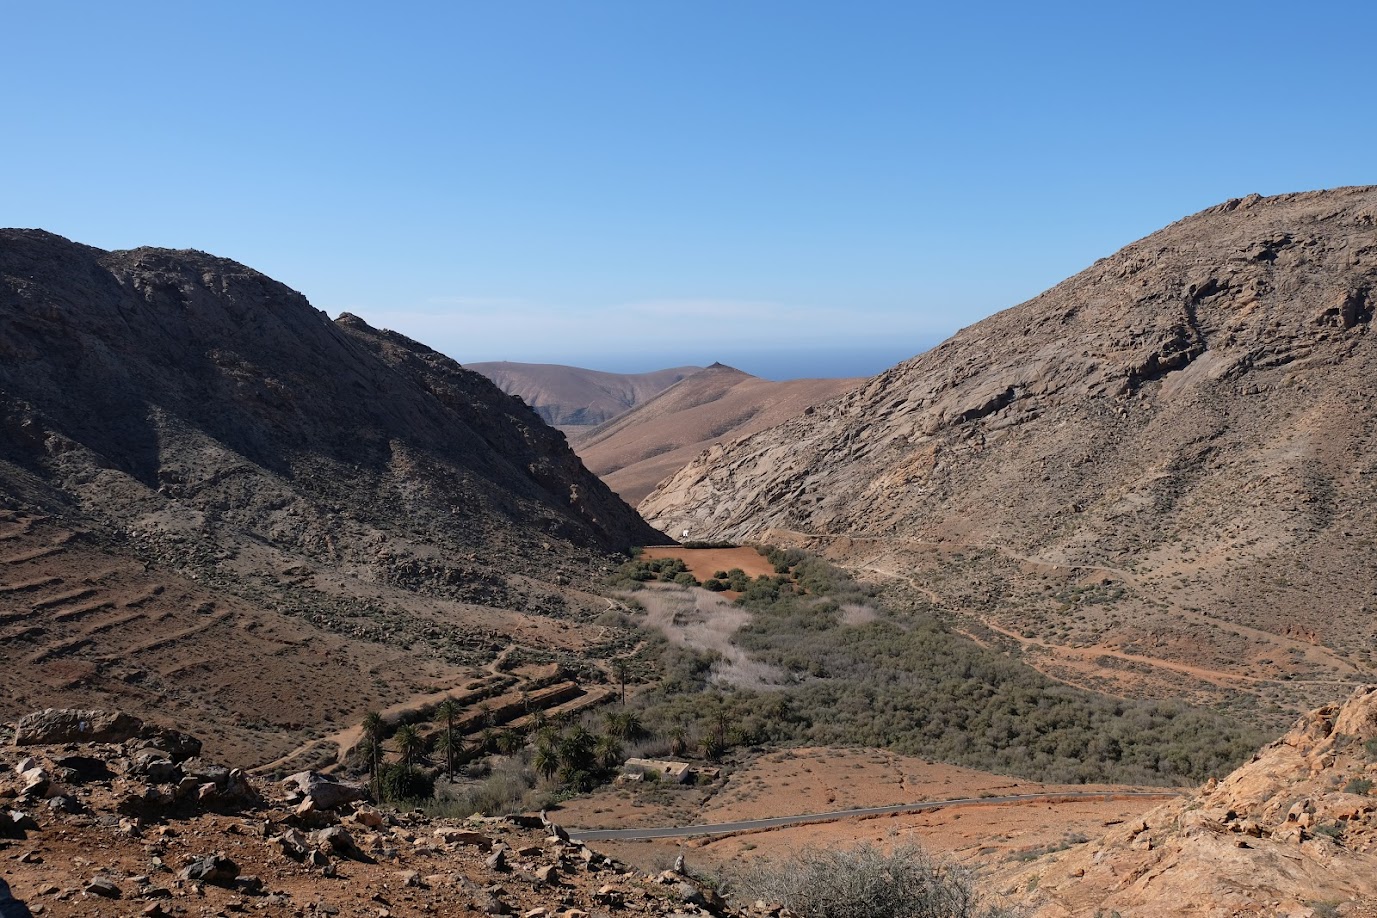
pixel 452 836
pixel 179 746
pixel 103 887
pixel 214 869
pixel 68 725
pixel 324 791
pixel 157 766
pixel 336 840
pixel 293 844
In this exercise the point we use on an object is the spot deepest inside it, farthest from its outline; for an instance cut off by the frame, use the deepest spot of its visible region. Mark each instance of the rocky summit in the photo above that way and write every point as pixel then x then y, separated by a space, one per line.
pixel 1158 473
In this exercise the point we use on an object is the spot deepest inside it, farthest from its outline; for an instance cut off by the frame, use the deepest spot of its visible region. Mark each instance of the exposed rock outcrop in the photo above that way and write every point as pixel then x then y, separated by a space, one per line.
pixel 1294 829
pixel 180 857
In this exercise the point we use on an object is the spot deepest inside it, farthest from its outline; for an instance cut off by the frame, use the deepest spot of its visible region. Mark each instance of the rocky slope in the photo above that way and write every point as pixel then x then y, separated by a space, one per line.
pixel 1294 832
pixel 637 450
pixel 575 399
pixel 130 819
pixel 208 488
pixel 1167 458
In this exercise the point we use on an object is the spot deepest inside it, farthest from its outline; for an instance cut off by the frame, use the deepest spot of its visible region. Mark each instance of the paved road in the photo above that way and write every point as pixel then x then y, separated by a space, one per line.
pixel 727 828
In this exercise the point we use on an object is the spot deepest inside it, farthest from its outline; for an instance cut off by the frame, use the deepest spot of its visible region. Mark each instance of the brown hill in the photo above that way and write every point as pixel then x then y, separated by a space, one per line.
pixel 1294 832
pixel 637 450
pixel 1156 477
pixel 207 488
pixel 572 398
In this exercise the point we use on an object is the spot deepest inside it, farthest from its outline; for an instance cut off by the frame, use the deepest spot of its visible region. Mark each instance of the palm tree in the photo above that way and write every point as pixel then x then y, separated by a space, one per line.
pixel 445 712
pixel 508 742
pixel 678 740
pixel 621 674
pixel 632 727
pixel 487 740
pixel 576 749
pixel 409 742
pixel 372 737
pixel 612 723
pixel 608 753
pixel 451 744
pixel 546 761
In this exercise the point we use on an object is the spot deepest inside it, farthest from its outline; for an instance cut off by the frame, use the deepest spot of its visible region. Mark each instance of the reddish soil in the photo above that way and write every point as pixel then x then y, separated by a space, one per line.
pixel 821 780
pixel 704 562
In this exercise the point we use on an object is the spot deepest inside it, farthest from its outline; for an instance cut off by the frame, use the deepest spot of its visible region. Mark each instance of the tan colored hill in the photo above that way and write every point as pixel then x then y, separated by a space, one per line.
pixel 1294 832
pixel 574 399
pixel 637 450
pixel 208 488
pixel 1157 477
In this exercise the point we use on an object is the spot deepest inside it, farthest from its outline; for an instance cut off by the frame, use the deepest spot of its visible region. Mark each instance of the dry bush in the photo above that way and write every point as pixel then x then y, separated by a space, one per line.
pixel 865 882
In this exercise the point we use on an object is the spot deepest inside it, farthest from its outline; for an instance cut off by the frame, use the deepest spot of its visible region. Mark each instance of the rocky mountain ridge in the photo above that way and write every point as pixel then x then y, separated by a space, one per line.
pixel 1166 459
pixel 209 488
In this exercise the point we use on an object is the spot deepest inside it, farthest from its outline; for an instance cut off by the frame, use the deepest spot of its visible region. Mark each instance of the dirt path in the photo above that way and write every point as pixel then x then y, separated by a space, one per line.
pixel 1312 652
pixel 776 822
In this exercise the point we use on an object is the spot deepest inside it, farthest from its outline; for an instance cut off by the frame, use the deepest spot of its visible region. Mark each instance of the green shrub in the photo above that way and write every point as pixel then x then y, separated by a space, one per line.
pixel 408 783
pixel 1358 786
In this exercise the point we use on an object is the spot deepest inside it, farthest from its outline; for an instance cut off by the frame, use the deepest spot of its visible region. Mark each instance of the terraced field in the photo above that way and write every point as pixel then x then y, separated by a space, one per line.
pixel 84 624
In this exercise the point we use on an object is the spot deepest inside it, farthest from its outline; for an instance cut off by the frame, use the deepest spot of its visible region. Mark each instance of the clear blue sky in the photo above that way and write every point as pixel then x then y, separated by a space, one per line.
pixel 797 188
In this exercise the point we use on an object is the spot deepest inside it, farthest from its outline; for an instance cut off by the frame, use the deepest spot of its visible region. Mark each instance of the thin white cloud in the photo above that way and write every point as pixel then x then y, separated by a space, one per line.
pixel 473 327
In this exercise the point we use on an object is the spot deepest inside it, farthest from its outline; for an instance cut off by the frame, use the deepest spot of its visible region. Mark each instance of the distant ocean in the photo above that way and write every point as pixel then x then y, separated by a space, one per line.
pixel 796 363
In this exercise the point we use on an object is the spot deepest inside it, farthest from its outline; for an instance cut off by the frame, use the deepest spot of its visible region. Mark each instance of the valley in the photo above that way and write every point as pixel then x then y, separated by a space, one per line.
pixel 1062 580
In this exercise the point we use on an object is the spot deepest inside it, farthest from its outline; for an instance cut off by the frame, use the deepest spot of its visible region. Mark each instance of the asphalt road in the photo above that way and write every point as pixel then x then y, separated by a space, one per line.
pixel 747 825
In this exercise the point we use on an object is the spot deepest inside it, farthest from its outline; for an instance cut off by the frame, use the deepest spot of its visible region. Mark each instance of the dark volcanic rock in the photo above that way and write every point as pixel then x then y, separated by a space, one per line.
pixel 155 381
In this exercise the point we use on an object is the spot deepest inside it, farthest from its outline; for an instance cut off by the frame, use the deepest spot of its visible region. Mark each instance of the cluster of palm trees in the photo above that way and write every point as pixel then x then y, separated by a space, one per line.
pixel 568 752
pixel 579 758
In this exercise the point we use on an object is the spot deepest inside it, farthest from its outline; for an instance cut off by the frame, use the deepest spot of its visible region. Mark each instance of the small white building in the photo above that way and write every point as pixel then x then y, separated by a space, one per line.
pixel 674 772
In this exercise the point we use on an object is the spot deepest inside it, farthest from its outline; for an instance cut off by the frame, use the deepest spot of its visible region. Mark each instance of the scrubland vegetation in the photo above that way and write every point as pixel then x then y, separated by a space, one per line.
pixel 904 682
pixel 850 672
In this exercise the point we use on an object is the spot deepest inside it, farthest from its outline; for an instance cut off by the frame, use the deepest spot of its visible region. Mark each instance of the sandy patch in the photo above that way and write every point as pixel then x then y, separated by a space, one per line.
pixel 705 621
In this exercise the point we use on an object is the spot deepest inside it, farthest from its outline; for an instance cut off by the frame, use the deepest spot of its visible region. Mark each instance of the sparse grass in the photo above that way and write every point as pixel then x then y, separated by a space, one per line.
pixel 1358 786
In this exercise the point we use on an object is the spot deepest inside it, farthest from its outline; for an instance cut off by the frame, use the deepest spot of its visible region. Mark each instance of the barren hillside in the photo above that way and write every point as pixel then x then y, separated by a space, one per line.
pixel 208 488
pixel 1156 477
pixel 574 399
pixel 637 450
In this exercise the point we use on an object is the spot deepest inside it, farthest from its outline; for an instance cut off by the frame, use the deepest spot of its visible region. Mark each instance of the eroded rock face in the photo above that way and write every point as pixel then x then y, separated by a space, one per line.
pixel 1295 826
pixel 1101 391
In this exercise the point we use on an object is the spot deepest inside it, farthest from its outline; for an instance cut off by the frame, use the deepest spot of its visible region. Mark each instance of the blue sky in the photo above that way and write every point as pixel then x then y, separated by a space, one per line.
pixel 796 188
